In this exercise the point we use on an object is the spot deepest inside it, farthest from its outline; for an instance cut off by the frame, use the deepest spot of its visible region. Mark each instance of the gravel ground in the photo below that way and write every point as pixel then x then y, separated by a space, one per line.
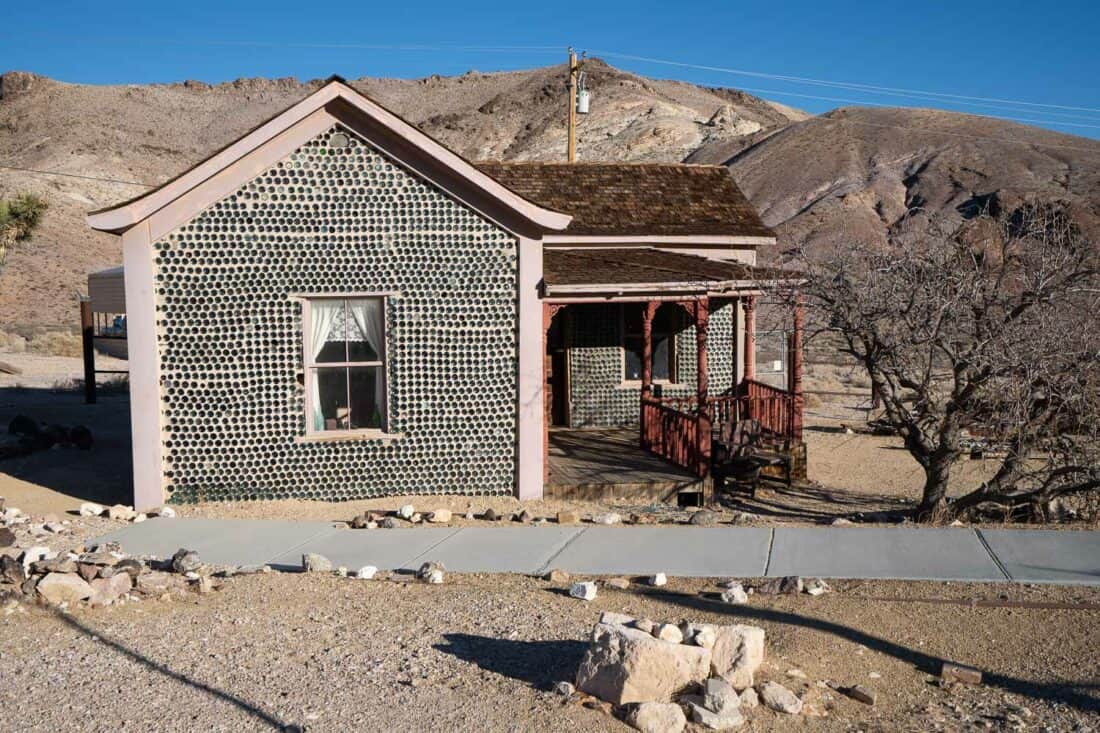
pixel 481 653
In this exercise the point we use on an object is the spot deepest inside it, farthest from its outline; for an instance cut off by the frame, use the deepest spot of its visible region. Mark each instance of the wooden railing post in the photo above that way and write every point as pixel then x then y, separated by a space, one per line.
pixel 703 432
pixel 87 333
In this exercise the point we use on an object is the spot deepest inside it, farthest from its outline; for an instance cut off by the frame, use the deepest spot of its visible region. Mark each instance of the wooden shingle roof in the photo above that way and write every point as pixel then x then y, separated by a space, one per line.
pixel 635 199
pixel 648 266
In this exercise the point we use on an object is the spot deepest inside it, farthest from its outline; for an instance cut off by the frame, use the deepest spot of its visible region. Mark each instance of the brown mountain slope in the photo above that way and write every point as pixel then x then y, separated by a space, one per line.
pixel 847 175
pixel 851 174
pixel 149 133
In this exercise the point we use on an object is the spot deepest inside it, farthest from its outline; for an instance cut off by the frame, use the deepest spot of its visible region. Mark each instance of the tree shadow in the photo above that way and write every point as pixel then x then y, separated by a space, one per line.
pixel 1074 694
pixel 260 715
pixel 807 502
pixel 538 663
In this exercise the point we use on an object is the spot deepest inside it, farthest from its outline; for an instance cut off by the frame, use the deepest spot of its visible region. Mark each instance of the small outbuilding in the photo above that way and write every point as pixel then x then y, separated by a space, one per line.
pixel 337 306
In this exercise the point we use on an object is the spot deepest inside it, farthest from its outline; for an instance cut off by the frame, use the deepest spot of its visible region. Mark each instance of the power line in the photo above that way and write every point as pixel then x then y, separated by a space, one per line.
pixel 851 85
pixel 77 175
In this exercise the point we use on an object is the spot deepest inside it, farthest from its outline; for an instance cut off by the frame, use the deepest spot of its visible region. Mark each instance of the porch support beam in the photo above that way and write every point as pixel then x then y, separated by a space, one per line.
pixel 795 371
pixel 703 432
pixel 749 355
pixel 648 313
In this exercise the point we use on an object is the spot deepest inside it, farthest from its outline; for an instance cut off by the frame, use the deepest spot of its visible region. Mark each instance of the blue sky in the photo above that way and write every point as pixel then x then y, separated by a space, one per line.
pixel 1031 61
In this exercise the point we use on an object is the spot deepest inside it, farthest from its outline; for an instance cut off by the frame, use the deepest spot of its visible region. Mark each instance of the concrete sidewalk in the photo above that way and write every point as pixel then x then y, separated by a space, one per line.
pixel 1026 556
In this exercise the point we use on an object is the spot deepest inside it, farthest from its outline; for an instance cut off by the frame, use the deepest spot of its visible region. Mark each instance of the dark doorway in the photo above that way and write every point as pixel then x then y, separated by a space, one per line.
pixel 557 371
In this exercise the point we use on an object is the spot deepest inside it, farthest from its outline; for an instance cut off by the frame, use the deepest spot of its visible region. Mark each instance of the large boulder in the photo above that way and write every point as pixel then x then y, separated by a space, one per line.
pixel 108 590
pixel 625 665
pixel 63 588
pixel 737 653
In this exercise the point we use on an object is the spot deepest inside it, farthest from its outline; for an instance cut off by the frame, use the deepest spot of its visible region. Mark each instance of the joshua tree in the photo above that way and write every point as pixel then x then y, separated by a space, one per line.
pixel 985 329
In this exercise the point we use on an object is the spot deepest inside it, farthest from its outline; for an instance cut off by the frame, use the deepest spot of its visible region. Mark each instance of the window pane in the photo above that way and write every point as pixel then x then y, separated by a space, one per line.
pixel 633 364
pixel 366 397
pixel 661 361
pixel 327 339
pixel 365 330
pixel 331 394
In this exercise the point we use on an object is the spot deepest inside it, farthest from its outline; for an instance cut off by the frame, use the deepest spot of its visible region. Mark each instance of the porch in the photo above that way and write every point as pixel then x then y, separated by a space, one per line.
pixel 674 420
pixel 608 463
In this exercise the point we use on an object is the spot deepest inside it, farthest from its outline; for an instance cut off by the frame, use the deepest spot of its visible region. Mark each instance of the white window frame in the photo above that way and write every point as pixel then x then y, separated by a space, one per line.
pixel 311 433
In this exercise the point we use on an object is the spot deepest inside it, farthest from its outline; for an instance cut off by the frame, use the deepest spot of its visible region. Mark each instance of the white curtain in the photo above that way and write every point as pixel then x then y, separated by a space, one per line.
pixel 367 315
pixel 322 314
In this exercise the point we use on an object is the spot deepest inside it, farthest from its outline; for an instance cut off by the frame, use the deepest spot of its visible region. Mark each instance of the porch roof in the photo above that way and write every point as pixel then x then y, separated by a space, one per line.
pixel 641 269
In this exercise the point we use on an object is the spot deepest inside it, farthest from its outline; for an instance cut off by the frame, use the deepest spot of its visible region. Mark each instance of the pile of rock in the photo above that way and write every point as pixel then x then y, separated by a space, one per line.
pixel 659 675
pixel 124 513
pixel 25 436
pixel 101 576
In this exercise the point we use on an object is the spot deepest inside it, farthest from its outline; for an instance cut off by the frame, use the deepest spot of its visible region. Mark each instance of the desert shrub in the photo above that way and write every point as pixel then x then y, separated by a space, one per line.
pixel 57 343
pixel 19 216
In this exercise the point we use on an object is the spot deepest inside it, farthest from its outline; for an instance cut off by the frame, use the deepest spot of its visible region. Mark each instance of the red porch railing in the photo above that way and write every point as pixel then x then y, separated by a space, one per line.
pixel 670 429
pixel 670 425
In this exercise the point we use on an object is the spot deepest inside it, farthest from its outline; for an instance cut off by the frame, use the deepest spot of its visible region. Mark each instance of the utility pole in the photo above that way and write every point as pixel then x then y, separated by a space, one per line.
pixel 572 151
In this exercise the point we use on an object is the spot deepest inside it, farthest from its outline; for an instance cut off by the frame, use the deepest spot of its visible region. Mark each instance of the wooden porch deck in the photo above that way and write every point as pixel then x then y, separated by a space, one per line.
pixel 608 463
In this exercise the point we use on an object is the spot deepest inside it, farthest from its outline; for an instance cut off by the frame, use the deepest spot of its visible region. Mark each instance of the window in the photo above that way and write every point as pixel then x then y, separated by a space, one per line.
pixel 666 323
pixel 345 377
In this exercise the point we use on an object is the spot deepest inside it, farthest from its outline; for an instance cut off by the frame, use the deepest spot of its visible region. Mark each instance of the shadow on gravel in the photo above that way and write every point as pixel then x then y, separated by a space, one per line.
pixel 1081 695
pixel 260 715
pixel 539 663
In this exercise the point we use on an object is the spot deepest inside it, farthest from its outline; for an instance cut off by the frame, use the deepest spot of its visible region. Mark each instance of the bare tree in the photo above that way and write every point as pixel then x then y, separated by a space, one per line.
pixel 983 329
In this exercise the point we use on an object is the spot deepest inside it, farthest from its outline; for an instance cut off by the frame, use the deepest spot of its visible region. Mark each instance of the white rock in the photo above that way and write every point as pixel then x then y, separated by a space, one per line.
pixel 416 518
pixel 585 591
pixel 34 554
pixel 434 577
pixel 624 665
pixel 121 512
pixel 658 580
pixel 705 637
pixel 611 617
pixel 669 632
pixel 749 698
pixel 737 654
pixel 69 588
pixel 657 717
pixel 563 688
pixel 406 511
pixel 735 595
pixel 815 587
pixel 726 720
pixel 797 674
pixel 342 571
pixel 719 696
pixel 140 517
pixel 779 698
pixel 607 518
pixel 440 516
pixel 167 512
pixel 366 572
pixel 314 563
pixel 89 509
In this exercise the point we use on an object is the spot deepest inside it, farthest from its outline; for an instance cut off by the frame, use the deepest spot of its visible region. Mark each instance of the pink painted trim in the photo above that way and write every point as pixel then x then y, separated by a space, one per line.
pixel 145 399
pixel 121 218
pixel 530 453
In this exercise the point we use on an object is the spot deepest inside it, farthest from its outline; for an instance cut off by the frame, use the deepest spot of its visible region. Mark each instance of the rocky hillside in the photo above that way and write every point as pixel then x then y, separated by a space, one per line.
pixel 849 173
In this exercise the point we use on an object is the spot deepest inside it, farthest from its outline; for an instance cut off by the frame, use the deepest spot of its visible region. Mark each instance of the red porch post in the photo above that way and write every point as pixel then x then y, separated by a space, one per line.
pixel 749 357
pixel 703 436
pixel 648 314
pixel 796 372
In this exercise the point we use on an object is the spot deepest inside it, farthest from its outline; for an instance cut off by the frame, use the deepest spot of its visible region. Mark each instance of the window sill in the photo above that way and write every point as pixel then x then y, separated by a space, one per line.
pixel 339 436
pixel 629 384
